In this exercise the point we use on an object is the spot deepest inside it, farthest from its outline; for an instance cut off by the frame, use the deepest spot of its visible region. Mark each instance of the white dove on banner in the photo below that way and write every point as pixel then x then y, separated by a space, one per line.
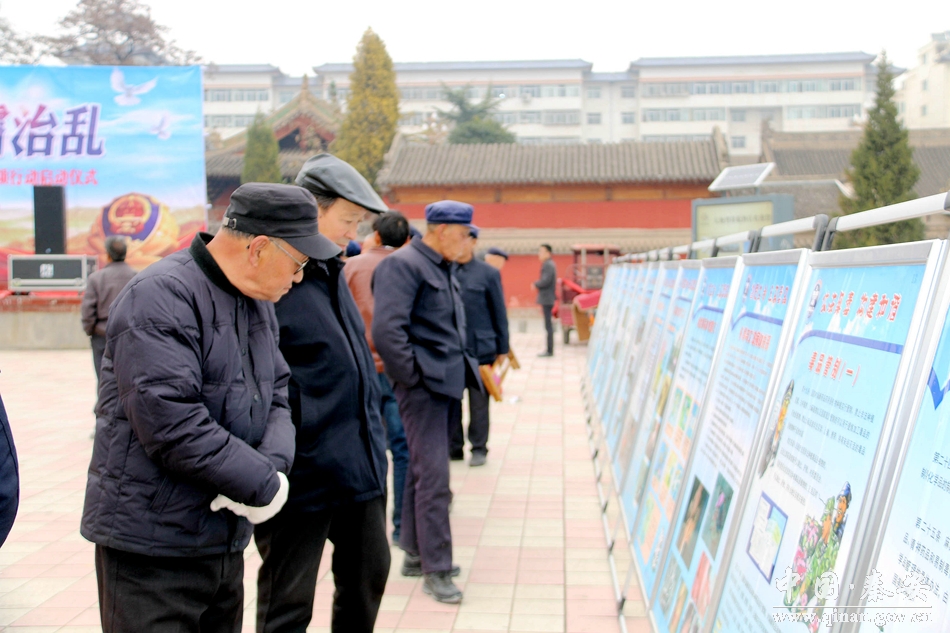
pixel 128 95
pixel 163 129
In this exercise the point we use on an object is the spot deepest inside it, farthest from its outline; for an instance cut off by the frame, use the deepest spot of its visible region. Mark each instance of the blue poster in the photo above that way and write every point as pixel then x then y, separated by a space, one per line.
pixel 127 145
pixel 612 357
pixel 810 476
pixel 604 321
pixel 914 561
pixel 727 429
pixel 671 439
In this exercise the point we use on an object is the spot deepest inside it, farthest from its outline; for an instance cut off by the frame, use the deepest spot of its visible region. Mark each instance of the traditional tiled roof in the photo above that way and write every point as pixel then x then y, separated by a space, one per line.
pixel 226 164
pixel 496 65
pixel 495 164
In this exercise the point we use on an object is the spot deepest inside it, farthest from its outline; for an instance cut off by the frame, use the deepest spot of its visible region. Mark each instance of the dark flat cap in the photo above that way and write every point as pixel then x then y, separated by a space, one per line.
pixel 474 232
pixel 325 174
pixel 450 212
pixel 494 250
pixel 282 211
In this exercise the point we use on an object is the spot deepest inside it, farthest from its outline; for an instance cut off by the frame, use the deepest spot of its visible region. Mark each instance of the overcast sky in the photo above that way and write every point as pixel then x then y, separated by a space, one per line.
pixel 299 34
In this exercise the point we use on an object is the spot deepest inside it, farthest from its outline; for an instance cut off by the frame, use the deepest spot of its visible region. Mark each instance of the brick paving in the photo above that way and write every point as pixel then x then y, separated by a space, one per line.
pixel 526 527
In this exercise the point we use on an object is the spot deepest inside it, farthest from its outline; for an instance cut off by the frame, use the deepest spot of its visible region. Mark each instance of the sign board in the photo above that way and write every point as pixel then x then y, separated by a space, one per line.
pixel 756 334
pixel 741 177
pixel 127 145
pixel 811 476
pixel 715 217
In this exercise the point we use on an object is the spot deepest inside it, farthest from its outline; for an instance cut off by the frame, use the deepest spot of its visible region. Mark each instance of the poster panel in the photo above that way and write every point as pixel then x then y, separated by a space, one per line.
pixel 811 475
pixel 604 322
pixel 670 441
pixel 127 145
pixel 754 336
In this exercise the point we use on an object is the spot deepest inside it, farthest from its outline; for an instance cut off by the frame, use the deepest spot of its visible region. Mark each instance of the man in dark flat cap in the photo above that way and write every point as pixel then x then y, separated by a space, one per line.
pixel 486 329
pixel 496 258
pixel 338 481
pixel 419 331
pixel 194 437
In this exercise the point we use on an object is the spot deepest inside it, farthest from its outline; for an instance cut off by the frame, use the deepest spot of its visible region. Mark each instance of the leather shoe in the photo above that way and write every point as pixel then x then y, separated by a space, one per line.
pixel 478 459
pixel 456 456
pixel 412 567
pixel 439 585
pixel 545 354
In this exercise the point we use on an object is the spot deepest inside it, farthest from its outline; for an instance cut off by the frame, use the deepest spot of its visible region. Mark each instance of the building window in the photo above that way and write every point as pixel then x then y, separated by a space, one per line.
pixel 562 117
pixel 284 96
pixel 250 95
pixel 217 95
pixel 923 110
pixel 499 92
pixel 628 92
pixel 794 86
pixel 593 93
pixel 506 118
pixel 706 114
pixel 218 120
pixel 768 86
pixel 412 119
pixel 738 116
pixel 594 141
pixel 530 117
pixel 923 85
pixel 593 118
pixel 737 142
pixel 628 118
pixel 474 92
pixel 836 85
pixel 529 91
pixel 741 87
pixel 560 91
pixel 810 86
pixel 434 94
pixel 823 112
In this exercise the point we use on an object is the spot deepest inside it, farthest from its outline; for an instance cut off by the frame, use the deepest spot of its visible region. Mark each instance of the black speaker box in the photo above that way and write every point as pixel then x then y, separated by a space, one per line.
pixel 49 220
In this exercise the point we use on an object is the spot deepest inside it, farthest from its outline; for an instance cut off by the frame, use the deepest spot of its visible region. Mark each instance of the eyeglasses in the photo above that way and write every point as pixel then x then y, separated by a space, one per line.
pixel 300 265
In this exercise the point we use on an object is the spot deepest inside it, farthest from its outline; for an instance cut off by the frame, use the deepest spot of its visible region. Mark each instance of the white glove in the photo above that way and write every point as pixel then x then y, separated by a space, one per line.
pixel 256 514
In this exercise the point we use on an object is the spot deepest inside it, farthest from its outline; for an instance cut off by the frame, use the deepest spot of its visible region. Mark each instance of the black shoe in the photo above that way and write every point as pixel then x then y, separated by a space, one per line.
pixel 456 456
pixel 545 354
pixel 439 585
pixel 412 567
pixel 478 459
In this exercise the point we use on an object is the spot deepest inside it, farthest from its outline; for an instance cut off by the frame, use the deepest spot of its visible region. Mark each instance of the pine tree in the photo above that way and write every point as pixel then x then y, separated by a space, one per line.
pixel 882 170
pixel 261 162
pixel 372 108
pixel 474 122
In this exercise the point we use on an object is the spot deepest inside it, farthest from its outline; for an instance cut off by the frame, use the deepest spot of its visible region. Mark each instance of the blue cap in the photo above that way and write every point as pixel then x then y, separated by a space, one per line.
pixel 494 250
pixel 353 249
pixel 450 212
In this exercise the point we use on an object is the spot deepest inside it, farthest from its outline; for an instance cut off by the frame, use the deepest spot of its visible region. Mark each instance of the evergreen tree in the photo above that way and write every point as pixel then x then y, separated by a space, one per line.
pixel 372 108
pixel 261 163
pixel 480 130
pixel 882 170
pixel 473 122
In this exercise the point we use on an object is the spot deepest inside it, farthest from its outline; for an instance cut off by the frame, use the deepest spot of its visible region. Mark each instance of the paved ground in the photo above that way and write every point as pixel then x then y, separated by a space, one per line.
pixel 526 526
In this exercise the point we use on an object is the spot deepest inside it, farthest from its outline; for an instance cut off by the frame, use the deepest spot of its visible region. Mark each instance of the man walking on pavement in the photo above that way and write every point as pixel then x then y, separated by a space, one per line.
pixel 419 331
pixel 390 232
pixel 102 288
pixel 486 328
pixel 338 481
pixel 193 429
pixel 545 287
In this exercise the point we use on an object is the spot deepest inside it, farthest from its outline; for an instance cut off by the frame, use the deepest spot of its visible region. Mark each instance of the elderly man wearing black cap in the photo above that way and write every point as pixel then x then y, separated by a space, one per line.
pixel 193 432
pixel 419 331
pixel 338 481
pixel 486 327
pixel 496 258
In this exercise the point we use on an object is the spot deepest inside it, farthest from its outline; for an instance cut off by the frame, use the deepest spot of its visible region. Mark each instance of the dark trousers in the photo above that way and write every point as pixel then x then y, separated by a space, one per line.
pixel 549 326
pixel 477 423
pixel 98 349
pixel 396 438
pixel 167 594
pixel 425 510
pixel 291 546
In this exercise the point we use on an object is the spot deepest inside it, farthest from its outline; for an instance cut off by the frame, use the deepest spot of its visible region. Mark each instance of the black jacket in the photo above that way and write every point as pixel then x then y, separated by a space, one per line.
pixel 334 393
pixel 546 283
pixel 419 322
pixel 177 422
pixel 486 320
pixel 9 477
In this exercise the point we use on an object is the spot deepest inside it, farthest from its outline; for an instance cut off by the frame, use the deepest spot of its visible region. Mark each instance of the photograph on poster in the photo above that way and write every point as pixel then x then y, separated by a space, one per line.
pixel 715 520
pixel 689 528
pixel 668 589
pixel 681 594
pixel 702 586
pixel 766 537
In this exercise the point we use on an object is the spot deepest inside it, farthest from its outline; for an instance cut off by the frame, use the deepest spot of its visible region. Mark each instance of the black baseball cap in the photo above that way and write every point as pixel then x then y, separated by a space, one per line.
pixel 325 174
pixel 282 211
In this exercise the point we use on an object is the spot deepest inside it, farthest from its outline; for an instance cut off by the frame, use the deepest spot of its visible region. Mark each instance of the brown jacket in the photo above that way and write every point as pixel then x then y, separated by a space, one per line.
pixel 359 276
pixel 102 288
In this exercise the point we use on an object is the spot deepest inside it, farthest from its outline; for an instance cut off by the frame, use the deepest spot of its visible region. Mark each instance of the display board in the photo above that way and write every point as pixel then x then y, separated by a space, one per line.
pixel 911 563
pixel 757 330
pixel 811 476
pixel 671 437
pixel 125 143
pixel 612 359
pixel 604 324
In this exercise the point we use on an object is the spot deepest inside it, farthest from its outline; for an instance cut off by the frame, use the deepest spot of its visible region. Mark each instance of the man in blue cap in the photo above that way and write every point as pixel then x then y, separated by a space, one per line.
pixel 419 331
pixel 486 322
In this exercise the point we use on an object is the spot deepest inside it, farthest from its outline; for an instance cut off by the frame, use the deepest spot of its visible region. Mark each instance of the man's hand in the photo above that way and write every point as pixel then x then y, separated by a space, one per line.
pixel 256 514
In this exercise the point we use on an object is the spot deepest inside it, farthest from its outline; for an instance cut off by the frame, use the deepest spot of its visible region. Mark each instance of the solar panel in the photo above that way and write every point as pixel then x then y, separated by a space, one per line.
pixel 741 177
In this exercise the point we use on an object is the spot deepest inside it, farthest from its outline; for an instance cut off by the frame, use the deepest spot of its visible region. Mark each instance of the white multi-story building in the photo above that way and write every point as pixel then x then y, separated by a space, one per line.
pixel 234 93
pixel 924 96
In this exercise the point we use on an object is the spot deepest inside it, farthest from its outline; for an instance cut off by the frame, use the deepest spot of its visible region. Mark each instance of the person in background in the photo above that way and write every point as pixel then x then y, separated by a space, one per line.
pixel 193 431
pixel 419 331
pixel 9 477
pixel 496 258
pixel 338 482
pixel 102 287
pixel 545 287
pixel 486 328
pixel 390 231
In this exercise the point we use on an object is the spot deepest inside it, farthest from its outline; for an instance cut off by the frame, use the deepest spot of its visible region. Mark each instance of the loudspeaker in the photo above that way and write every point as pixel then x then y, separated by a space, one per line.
pixel 49 220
